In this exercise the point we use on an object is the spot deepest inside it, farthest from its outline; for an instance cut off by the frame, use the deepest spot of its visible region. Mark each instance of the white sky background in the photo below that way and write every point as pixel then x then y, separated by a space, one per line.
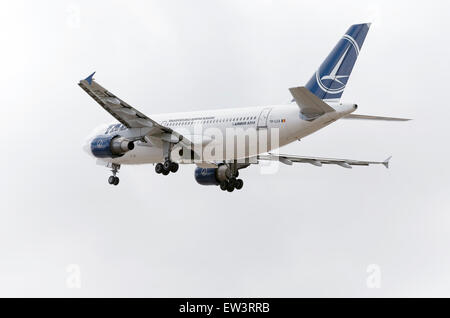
pixel 304 231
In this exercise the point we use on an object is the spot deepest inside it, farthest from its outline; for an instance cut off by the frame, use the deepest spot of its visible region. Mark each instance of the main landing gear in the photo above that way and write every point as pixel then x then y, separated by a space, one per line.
pixel 114 180
pixel 166 167
pixel 232 183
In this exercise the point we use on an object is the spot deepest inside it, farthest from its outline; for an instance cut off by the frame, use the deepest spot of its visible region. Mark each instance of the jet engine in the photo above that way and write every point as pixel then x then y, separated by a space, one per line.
pixel 212 176
pixel 105 146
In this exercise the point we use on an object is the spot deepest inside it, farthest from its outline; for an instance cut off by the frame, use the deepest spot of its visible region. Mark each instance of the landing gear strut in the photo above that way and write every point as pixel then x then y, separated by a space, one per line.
pixel 232 182
pixel 168 166
pixel 114 180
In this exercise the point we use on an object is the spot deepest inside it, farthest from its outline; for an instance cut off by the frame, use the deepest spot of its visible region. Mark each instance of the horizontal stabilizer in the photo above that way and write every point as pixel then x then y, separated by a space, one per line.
pixel 310 105
pixel 367 117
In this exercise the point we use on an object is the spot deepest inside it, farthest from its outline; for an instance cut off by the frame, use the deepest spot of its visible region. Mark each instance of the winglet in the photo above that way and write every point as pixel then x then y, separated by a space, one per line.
pixel 386 162
pixel 90 78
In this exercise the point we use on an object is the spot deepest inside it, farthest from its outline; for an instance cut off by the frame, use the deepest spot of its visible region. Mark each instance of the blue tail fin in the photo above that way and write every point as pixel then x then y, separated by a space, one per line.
pixel 329 82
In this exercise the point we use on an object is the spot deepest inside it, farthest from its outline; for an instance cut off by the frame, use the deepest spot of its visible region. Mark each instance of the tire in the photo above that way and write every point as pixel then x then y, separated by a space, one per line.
pixel 116 181
pixel 174 167
pixel 167 165
pixel 230 188
pixel 232 181
pixel 223 186
pixel 165 172
pixel 239 184
pixel 111 179
pixel 237 174
pixel 159 168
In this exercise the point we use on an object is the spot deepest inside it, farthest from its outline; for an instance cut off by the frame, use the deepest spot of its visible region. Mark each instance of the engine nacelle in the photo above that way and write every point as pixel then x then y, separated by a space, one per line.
pixel 105 146
pixel 212 176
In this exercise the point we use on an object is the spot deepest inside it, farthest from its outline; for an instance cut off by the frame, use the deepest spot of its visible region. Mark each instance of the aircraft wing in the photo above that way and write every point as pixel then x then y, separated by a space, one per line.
pixel 317 161
pixel 128 115
pixel 123 112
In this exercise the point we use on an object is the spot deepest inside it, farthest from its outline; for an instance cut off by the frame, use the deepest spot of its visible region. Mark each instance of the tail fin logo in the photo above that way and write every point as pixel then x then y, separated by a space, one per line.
pixel 334 81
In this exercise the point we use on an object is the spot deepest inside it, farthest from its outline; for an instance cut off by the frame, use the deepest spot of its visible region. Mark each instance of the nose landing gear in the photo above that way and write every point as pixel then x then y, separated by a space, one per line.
pixel 114 180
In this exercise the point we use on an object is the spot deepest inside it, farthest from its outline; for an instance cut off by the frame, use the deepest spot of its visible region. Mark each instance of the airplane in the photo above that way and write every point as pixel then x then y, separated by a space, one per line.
pixel 223 141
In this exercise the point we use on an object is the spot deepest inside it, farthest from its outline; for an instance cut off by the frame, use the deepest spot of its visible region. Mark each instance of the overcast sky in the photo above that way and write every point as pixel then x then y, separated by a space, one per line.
pixel 304 231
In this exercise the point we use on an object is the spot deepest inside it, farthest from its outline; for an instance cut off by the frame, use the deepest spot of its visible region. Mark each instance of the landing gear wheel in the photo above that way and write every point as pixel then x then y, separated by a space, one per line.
pixel 237 174
pixel 239 184
pixel 159 168
pixel 232 181
pixel 174 167
pixel 223 186
pixel 113 179
pixel 167 164
pixel 230 187
pixel 165 172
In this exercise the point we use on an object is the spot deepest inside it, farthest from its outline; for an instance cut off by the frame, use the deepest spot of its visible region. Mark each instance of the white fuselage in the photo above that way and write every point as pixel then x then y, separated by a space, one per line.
pixel 267 128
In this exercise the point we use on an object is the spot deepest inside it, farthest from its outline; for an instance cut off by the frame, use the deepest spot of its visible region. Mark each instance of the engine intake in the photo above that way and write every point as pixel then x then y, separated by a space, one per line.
pixel 212 176
pixel 110 146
